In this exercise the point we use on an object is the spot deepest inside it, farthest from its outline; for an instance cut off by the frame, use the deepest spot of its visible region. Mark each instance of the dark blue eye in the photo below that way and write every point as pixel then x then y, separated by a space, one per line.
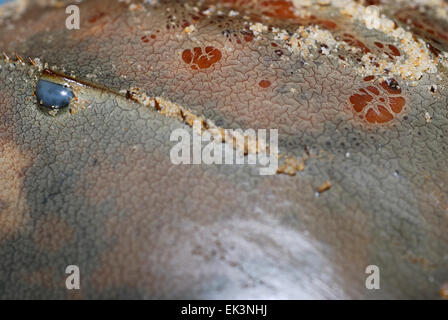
pixel 53 95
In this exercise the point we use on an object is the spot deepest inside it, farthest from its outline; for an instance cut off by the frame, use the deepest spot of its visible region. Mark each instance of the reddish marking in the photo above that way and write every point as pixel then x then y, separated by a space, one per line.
pixel 397 104
pixel 187 56
pixel 359 101
pixel 391 86
pixel 378 103
pixel 153 36
pixel 433 49
pixel 373 2
pixel 373 90
pixel 369 78
pixel 248 36
pixel 391 51
pixel 327 24
pixel 201 59
pixel 330 25
pixel 279 9
pixel 96 17
pixel 419 25
pixel 394 50
pixel 381 115
pixel 351 40
pixel 264 84
pixel 379 45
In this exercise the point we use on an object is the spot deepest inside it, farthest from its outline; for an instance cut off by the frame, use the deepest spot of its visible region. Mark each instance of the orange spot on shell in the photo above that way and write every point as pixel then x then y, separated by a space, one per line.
pixel 359 101
pixel 264 84
pixel 378 103
pixel 373 89
pixel 397 104
pixel 380 116
pixel 201 58
pixel 187 56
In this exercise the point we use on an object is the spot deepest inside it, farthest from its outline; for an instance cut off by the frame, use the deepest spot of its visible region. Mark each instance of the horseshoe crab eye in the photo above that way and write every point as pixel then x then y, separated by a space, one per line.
pixel 53 95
